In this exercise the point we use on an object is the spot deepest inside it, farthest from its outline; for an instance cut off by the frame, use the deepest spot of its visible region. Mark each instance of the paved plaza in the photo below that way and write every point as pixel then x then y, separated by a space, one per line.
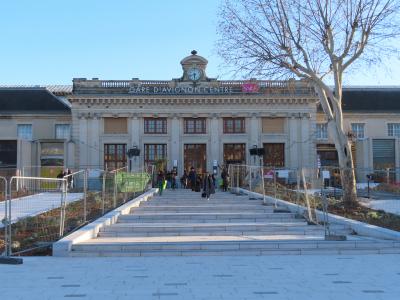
pixel 207 277
pixel 36 204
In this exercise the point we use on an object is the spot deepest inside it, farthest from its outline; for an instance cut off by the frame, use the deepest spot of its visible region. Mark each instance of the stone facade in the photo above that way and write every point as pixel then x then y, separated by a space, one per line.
pixel 95 100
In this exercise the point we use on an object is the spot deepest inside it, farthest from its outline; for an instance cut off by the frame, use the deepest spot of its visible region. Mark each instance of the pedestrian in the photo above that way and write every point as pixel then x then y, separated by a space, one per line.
pixel 70 179
pixel 214 180
pixel 225 178
pixel 192 178
pixel 160 181
pixel 184 179
pixel 208 186
pixel 60 176
pixel 173 179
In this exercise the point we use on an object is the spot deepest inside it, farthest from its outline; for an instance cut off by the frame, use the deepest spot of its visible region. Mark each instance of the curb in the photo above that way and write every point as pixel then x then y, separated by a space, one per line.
pixel 63 247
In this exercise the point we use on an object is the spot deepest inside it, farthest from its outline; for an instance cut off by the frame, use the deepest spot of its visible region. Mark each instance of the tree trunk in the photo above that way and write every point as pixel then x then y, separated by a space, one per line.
pixel 347 173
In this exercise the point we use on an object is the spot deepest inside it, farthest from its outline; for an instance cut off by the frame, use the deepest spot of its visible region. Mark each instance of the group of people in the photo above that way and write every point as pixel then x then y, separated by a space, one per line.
pixel 67 173
pixel 206 182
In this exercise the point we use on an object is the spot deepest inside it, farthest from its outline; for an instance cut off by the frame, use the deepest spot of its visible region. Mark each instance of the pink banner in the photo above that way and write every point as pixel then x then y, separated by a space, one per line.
pixel 250 88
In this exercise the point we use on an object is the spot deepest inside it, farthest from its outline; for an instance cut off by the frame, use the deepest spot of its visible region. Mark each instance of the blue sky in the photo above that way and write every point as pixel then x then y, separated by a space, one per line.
pixel 52 41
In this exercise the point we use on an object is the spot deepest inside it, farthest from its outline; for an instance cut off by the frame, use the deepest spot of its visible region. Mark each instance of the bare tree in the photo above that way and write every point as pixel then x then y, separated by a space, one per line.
pixel 316 40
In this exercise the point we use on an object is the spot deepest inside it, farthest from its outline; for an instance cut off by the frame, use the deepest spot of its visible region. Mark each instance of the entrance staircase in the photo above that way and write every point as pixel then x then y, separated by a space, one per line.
pixel 181 223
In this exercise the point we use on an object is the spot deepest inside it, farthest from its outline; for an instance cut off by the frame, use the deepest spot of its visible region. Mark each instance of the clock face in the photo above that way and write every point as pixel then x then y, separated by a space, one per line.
pixel 194 74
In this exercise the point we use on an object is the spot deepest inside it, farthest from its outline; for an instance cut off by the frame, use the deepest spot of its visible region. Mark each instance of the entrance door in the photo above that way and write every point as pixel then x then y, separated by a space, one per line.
pixel 195 155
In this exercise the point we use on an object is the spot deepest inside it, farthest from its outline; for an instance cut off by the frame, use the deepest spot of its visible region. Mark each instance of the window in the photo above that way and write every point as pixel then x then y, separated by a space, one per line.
pixel 394 129
pixel 358 130
pixel 63 131
pixel 234 125
pixel 273 125
pixel 195 126
pixel 8 154
pixel 24 131
pixel 153 152
pixel 115 125
pixel 114 156
pixel 274 154
pixel 383 154
pixel 234 154
pixel 155 125
pixel 322 131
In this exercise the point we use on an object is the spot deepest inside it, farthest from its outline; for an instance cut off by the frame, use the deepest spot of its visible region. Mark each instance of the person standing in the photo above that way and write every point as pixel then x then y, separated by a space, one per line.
pixel 192 178
pixel 173 179
pixel 160 181
pixel 208 186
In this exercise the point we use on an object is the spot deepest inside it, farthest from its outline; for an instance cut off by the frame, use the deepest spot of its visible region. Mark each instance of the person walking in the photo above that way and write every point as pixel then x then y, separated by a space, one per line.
pixel 184 179
pixel 70 180
pixel 208 186
pixel 160 181
pixel 225 177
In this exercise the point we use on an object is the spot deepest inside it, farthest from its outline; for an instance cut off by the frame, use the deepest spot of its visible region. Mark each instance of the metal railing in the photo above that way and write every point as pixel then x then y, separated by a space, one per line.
pixel 377 191
pixel 37 211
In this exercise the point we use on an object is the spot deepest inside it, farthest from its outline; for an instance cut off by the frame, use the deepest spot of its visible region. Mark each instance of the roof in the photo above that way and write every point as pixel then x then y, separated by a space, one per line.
pixel 371 99
pixel 56 89
pixel 31 100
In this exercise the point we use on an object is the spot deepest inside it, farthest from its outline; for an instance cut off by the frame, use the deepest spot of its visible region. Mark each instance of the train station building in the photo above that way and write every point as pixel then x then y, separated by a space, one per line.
pixel 191 121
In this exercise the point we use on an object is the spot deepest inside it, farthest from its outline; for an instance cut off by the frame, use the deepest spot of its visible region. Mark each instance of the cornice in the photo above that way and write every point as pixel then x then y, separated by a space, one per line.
pixel 167 100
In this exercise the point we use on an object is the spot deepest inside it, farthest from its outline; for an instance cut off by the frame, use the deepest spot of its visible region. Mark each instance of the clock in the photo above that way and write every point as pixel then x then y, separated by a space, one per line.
pixel 194 74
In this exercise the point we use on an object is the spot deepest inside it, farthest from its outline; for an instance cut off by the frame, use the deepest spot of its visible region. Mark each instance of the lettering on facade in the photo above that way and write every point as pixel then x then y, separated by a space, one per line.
pixel 161 90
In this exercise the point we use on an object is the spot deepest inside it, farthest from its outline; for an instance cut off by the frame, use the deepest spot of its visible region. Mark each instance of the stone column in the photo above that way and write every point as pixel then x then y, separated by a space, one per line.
pixel 308 151
pixel 136 141
pixel 174 153
pixel 215 134
pixel 95 151
pixel 82 141
pixel 294 133
pixel 254 133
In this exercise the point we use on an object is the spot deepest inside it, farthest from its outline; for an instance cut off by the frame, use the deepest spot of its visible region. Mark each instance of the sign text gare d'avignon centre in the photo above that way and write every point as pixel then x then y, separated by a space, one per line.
pixel 194 90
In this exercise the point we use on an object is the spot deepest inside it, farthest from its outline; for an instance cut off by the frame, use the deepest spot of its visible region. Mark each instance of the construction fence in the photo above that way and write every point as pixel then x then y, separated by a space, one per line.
pixel 378 191
pixel 37 211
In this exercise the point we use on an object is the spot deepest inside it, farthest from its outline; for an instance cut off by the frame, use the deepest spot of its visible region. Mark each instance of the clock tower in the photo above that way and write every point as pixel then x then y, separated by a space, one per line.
pixel 194 67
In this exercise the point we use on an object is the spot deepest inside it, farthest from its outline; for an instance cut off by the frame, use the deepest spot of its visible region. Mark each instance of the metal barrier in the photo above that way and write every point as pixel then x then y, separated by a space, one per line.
pixel 37 211
pixel 378 192
pixel 4 220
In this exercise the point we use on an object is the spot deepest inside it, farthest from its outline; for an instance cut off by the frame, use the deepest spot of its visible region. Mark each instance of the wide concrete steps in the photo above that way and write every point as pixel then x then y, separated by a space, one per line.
pixel 181 223
pixel 287 245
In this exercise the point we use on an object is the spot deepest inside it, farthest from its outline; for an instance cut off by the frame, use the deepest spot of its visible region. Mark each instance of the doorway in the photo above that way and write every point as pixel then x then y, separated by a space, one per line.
pixel 195 155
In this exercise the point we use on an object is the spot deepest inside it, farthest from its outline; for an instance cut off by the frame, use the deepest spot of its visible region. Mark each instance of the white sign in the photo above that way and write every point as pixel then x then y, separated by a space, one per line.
pixel 215 163
pixel 175 163
pixel 326 175
pixel 283 173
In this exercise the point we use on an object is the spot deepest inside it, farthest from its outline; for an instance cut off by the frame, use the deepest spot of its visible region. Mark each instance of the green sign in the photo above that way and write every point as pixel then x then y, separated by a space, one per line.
pixel 132 182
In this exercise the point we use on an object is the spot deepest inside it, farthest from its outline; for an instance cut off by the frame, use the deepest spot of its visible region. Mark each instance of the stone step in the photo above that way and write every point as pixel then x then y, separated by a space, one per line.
pixel 215 209
pixel 254 252
pixel 227 217
pixel 201 202
pixel 218 233
pixel 222 221
pixel 312 245
pixel 196 227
